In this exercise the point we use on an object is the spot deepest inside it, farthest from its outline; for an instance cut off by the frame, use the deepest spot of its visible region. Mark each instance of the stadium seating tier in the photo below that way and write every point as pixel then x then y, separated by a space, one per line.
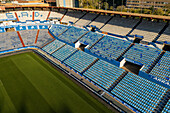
pixel 109 47
pixel 143 54
pixel 43 38
pixel 166 109
pixel 121 26
pixel 141 93
pixel 53 46
pixel 162 68
pixel 90 38
pixel 72 34
pixel 103 73
pixel 148 29
pixel 80 61
pixel 64 52
pixel 57 29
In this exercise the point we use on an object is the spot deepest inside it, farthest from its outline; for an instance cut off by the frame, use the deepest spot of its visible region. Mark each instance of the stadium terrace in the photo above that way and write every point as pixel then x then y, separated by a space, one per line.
pixel 122 58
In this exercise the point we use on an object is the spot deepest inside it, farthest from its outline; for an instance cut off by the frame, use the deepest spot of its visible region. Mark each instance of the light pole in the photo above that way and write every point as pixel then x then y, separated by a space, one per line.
pixel 153 7
pixel 122 6
pixel 113 4
pixel 106 5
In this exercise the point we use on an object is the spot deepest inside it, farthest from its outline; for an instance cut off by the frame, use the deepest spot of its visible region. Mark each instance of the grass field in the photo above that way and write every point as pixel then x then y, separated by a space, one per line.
pixel 28 84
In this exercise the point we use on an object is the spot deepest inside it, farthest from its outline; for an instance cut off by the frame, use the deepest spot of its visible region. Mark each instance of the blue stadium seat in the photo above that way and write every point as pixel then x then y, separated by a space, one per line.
pixel 57 29
pixel 103 73
pixel 143 54
pixel 140 93
pixel 166 109
pixel 80 61
pixel 72 34
pixel 50 48
pixel 64 52
pixel 90 38
pixel 162 68
pixel 9 40
pixel 28 36
pixel 110 47
pixel 43 38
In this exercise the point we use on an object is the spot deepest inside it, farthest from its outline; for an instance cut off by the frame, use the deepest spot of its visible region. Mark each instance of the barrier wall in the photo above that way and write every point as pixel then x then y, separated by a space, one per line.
pixel 8 16
pixel 23 16
pixel 155 79
pixel 22 27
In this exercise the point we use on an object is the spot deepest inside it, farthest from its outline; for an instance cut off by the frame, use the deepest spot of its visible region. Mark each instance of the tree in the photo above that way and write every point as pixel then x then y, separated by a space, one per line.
pixel 111 8
pixel 106 5
pixel 95 4
pixel 137 10
pixel 120 8
pixel 147 11
pixel 158 11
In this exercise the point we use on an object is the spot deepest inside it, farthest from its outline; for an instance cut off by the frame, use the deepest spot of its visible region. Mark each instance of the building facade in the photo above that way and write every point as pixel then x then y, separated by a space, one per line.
pixel 147 3
pixel 67 3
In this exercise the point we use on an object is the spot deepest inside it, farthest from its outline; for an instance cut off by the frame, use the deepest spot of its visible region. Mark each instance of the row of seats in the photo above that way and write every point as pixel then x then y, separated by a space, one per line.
pixel 28 36
pixel 140 93
pixel 103 73
pixel 148 29
pixel 166 109
pixel 57 13
pixel 72 34
pixel 64 52
pixel 53 46
pixel 90 38
pixel 9 40
pixel 143 54
pixel 57 29
pixel 121 26
pixel 80 61
pixel 72 16
pixel 109 47
pixel 165 36
pixel 100 21
pixel 87 19
pixel 43 38
pixel 162 68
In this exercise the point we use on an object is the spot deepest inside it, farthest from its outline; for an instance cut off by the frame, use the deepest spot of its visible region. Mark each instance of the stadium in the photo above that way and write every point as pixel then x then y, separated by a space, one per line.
pixel 57 59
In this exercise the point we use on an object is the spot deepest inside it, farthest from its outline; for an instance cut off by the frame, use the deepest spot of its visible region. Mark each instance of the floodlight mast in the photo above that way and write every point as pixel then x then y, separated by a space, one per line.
pixel 122 6
pixel 113 4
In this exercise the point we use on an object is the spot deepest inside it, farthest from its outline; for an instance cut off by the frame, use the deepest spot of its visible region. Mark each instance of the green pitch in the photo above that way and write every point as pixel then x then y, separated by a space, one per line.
pixel 30 85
